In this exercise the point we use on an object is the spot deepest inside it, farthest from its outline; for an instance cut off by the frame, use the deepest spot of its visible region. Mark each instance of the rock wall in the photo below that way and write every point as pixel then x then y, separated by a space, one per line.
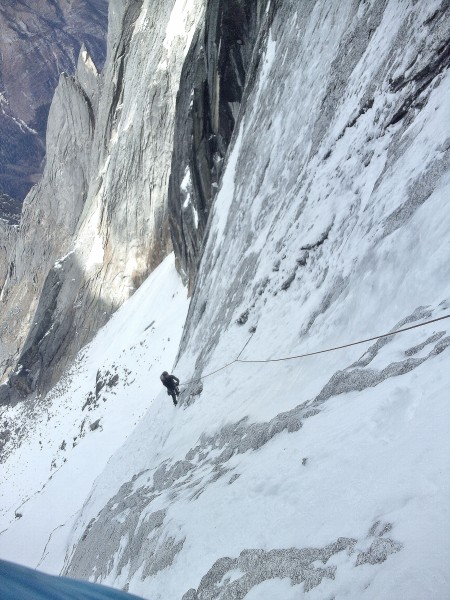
pixel 346 124
pixel 164 106
pixel 103 196
pixel 217 69
pixel 136 156
pixel 273 477
pixel 49 218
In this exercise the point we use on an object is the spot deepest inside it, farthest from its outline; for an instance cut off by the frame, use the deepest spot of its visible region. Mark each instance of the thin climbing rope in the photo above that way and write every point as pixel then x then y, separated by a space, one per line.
pixel 268 360
pixel 246 344
pixel 371 339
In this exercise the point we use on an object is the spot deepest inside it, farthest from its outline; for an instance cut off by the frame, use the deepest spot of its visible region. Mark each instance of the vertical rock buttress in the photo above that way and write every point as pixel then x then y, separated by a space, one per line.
pixel 224 53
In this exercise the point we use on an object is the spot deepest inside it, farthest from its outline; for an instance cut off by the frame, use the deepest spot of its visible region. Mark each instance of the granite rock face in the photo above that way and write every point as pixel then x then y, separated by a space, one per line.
pixel 135 157
pixel 224 53
pixel 49 218
pixel 38 41
pixel 103 194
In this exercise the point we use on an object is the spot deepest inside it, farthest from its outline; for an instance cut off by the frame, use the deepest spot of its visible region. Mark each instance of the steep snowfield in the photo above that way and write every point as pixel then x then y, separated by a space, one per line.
pixel 323 477
pixel 63 442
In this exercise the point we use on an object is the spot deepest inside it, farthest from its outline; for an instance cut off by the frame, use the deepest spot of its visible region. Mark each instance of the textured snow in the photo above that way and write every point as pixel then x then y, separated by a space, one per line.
pixel 61 447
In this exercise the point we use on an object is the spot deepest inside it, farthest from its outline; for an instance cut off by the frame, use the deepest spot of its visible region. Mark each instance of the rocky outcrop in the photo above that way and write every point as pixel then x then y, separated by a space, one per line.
pixel 38 41
pixel 49 219
pixel 224 52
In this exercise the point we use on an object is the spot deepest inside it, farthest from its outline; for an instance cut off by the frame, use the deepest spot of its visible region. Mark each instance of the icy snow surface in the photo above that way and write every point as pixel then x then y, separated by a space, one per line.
pixel 63 442
pixel 321 478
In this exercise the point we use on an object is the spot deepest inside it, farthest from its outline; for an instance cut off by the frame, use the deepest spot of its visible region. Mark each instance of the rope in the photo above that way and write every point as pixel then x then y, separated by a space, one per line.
pixel 371 339
pixel 268 360
pixel 224 367
pixel 209 374
pixel 246 344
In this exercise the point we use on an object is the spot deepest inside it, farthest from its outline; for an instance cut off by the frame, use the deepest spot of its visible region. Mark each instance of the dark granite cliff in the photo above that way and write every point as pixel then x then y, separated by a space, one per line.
pixel 224 52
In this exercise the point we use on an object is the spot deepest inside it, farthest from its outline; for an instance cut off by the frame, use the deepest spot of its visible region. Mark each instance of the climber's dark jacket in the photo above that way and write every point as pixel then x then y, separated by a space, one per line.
pixel 170 381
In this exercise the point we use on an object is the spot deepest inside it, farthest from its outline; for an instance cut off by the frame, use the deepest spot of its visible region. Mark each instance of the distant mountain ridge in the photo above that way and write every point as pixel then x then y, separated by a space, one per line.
pixel 38 41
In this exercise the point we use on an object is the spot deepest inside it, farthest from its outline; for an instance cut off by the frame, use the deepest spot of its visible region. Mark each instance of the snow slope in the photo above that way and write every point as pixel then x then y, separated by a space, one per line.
pixel 323 477
pixel 63 442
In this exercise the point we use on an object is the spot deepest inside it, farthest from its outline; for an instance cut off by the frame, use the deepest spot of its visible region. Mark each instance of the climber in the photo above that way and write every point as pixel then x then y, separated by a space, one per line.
pixel 171 383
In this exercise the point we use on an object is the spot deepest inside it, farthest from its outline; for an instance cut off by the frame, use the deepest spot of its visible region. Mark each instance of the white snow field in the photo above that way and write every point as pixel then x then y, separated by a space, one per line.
pixel 66 439
pixel 325 477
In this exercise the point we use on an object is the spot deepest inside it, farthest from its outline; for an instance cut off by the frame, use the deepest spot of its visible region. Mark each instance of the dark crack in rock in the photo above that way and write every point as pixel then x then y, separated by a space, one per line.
pixel 220 66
